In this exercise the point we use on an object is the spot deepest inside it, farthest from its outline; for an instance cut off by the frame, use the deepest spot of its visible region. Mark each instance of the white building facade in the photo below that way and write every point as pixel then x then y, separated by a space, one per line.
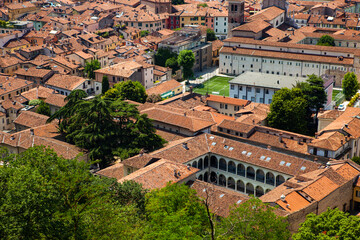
pixel 220 26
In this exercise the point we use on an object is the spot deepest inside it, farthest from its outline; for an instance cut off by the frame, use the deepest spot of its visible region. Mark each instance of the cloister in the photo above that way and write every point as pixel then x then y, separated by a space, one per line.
pixel 237 175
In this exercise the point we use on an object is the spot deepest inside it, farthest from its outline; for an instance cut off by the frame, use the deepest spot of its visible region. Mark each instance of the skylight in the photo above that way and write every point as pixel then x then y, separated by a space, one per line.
pixel 231 148
pixel 211 137
pixel 238 201
pixel 282 163
pixel 222 195
pixel 268 159
pixel 249 154
pixel 302 168
pixel 262 157
pixel 243 152
pixel 226 146
pixel 288 164
pixel 214 143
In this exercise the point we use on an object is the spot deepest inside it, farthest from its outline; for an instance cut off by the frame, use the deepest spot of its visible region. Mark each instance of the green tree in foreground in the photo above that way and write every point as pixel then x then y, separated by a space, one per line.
pixel 163 54
pixel 326 40
pixel 253 220
pixel 154 98
pixel 356 159
pixel 186 59
pixel 288 110
pixel 128 90
pixel 105 84
pixel 173 64
pixel 332 224
pixel 44 196
pixel 144 33
pixel 175 212
pixel 210 35
pixel 43 108
pixel 90 67
pixel 350 85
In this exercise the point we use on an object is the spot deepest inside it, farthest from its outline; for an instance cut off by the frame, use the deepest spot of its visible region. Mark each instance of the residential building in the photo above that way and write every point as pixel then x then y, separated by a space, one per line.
pixel 166 89
pixel 29 119
pixel 36 75
pixel 55 101
pixel 128 70
pixel 65 84
pixel 220 23
pixel 191 38
pixel 226 105
pixel 15 10
pixel 11 87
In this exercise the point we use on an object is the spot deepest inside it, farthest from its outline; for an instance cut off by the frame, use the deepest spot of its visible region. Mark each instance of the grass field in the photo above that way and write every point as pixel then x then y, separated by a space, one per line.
pixel 216 85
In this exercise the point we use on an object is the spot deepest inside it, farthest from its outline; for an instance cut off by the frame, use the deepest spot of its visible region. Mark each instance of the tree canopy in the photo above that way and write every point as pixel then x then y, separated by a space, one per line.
pixel 108 128
pixel 154 98
pixel 44 196
pixel 332 224
pixel 105 84
pixel 43 108
pixel 326 40
pixel 173 64
pixel 210 35
pixel 90 67
pixel 253 220
pixel 350 85
pixel 177 2
pixel 288 110
pixel 127 90
pixel 186 59
pixel 163 54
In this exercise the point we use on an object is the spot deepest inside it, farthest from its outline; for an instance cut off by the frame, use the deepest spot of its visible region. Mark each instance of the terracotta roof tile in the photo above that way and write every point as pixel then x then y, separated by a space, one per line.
pixel 228 100
pixel 164 87
pixel 31 119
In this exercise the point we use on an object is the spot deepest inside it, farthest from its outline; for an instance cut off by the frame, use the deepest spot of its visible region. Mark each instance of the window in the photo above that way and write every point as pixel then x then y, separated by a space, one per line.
pixel 232 87
pixel 253 99
pixel 248 89
pixel 225 106
pixel 257 90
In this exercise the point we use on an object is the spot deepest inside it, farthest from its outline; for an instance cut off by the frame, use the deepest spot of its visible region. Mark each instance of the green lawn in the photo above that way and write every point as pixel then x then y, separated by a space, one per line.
pixel 216 85
pixel 335 92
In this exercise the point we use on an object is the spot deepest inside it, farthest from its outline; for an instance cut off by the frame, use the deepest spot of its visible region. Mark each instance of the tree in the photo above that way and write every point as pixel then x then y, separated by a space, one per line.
pixel 326 40
pixel 107 127
pixel 177 2
pixel 35 102
pixel 202 5
pixel 154 98
pixel 253 220
pixel 186 59
pixel 44 196
pixel 288 111
pixel 356 159
pixel 90 67
pixel 105 84
pixel 210 35
pixel 144 33
pixel 173 64
pixel 350 85
pixel 162 55
pixel 175 212
pixel 314 92
pixel 43 108
pixel 131 90
pixel 332 224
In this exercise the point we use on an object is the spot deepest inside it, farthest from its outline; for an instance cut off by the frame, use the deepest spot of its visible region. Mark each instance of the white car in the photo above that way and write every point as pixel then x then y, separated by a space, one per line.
pixel 341 107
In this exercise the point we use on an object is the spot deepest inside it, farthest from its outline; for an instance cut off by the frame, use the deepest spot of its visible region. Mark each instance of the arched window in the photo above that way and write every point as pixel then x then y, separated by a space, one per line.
pixel 200 177
pixel 267 190
pixel 206 176
pixel 194 164
pixel 250 173
pixel 213 162
pixel 270 178
pixel 249 189
pixel 241 170
pixel 232 167
pixel 259 191
pixel 200 164
pixel 279 180
pixel 222 180
pixel 260 176
pixel 231 183
pixel 240 186
pixel 222 164
pixel 213 177
pixel 206 162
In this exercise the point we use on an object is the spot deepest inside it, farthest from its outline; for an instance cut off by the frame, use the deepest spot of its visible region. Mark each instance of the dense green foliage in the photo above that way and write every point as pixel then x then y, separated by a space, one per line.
pixel 108 128
pixel 173 64
pixel 44 196
pixel 202 5
pixel 128 90
pixel 253 220
pixel 163 54
pixel 353 99
pixel 356 159
pixel 326 40
pixel 210 35
pixel 105 84
pixel 144 33
pixel 35 102
pixel 350 85
pixel 332 224
pixel 43 108
pixel 186 60
pixel 90 67
pixel 288 110
pixel 291 109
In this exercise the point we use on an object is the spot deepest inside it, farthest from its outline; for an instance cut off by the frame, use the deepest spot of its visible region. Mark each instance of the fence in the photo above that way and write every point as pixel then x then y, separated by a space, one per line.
pixel 339 98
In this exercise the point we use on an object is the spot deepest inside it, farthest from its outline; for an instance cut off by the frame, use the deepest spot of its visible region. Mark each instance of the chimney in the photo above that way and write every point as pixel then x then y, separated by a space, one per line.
pixel 185 146
pixel 175 173
pixel 299 141
pixel 316 135
pixel 12 137
pixel 346 125
pixel 280 137
pixel 31 132
pixel 282 197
